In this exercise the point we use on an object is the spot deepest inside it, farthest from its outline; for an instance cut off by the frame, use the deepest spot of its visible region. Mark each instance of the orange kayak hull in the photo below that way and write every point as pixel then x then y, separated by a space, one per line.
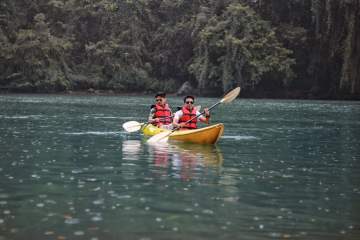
pixel 207 135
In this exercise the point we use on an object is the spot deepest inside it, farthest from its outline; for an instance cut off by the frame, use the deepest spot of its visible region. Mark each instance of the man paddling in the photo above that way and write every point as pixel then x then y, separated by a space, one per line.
pixel 160 113
pixel 187 112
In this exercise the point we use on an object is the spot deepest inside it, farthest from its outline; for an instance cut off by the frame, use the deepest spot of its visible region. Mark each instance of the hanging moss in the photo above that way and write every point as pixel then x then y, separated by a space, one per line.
pixel 349 82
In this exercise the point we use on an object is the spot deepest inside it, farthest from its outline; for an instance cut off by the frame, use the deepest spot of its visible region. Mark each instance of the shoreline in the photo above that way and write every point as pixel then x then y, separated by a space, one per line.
pixel 111 93
pixel 78 93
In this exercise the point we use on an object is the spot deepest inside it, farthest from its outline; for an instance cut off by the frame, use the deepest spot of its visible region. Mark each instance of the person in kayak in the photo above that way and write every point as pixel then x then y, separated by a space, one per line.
pixel 160 113
pixel 187 112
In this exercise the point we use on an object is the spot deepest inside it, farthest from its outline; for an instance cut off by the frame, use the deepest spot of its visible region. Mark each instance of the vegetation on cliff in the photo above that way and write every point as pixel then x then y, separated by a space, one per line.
pixel 275 48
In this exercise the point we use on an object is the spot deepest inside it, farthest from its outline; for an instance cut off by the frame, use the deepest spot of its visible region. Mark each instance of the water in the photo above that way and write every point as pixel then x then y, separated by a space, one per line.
pixel 282 170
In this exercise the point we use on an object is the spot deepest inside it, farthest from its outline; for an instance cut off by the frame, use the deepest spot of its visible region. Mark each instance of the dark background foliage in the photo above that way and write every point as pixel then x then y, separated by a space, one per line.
pixel 273 48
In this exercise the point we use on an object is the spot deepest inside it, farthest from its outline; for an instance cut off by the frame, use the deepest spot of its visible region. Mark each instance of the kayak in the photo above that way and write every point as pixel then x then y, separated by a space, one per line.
pixel 151 130
pixel 206 135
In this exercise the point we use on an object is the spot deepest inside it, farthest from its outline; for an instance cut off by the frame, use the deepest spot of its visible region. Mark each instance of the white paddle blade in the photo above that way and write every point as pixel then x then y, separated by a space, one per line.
pixel 163 140
pixel 132 126
pixel 231 95
pixel 159 138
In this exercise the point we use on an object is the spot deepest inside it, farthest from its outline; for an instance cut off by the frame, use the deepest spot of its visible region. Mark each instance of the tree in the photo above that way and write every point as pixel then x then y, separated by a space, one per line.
pixel 237 47
pixel 36 59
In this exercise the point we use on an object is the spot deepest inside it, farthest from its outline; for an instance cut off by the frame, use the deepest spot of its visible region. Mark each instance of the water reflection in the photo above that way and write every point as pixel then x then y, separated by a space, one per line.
pixel 185 161
pixel 291 172
pixel 131 149
pixel 177 160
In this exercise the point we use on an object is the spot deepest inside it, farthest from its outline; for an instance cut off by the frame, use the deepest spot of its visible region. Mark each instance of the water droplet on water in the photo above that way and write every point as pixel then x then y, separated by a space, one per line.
pixel 96 218
pixel 79 233
pixel 40 205
pixel 208 211
pixel 98 202
pixel 72 221
pixel 275 235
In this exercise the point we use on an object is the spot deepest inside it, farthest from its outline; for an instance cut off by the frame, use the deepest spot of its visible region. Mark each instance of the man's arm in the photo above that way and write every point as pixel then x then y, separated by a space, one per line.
pixel 202 118
pixel 177 117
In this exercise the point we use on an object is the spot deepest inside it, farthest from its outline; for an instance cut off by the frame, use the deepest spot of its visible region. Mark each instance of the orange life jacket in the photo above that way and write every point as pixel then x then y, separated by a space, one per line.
pixel 187 115
pixel 163 113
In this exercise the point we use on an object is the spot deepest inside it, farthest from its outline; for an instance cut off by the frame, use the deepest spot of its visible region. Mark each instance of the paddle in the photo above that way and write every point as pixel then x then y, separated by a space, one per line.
pixel 133 126
pixel 164 136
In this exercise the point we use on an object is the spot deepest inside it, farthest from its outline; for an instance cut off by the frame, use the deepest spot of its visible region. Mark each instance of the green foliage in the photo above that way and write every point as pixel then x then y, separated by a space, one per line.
pixel 150 45
pixel 36 57
pixel 238 48
pixel 129 79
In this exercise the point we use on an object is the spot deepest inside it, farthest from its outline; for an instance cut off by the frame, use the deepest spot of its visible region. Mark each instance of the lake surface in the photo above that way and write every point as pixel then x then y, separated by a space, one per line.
pixel 282 170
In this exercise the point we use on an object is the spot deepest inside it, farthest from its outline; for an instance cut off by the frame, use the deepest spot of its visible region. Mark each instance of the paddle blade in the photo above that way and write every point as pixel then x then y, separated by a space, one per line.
pixel 132 126
pixel 159 138
pixel 231 95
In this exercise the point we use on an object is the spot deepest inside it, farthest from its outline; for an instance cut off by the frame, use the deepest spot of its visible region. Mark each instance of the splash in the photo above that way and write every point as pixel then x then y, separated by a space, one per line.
pixel 93 133
pixel 239 137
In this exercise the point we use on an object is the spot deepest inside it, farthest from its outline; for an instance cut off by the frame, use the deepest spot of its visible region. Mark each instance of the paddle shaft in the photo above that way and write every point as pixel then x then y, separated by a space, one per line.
pixel 203 112
pixel 146 123
pixel 197 107
pixel 169 133
pixel 226 99
pixel 150 122
pixel 133 126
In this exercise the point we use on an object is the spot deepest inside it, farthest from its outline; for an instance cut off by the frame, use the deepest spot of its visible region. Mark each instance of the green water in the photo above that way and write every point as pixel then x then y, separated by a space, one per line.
pixel 282 170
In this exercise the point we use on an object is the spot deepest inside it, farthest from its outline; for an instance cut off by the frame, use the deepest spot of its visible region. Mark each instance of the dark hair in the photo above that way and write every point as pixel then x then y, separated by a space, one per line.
pixel 160 94
pixel 192 97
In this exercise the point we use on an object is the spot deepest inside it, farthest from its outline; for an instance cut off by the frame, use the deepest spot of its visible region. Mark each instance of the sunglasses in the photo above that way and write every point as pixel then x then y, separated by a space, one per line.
pixel 189 102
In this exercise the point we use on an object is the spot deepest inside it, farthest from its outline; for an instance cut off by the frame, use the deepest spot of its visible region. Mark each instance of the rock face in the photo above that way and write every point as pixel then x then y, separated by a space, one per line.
pixel 185 89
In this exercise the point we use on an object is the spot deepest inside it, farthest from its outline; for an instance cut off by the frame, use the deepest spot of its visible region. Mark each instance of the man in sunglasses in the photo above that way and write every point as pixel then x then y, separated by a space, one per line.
pixel 188 111
pixel 160 113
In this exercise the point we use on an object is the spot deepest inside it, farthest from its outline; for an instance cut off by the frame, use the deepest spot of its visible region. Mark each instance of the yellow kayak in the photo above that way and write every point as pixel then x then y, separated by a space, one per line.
pixel 151 130
pixel 206 135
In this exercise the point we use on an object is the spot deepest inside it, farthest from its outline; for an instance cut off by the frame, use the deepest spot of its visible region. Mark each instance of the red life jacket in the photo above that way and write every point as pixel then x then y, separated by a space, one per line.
pixel 187 115
pixel 163 113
